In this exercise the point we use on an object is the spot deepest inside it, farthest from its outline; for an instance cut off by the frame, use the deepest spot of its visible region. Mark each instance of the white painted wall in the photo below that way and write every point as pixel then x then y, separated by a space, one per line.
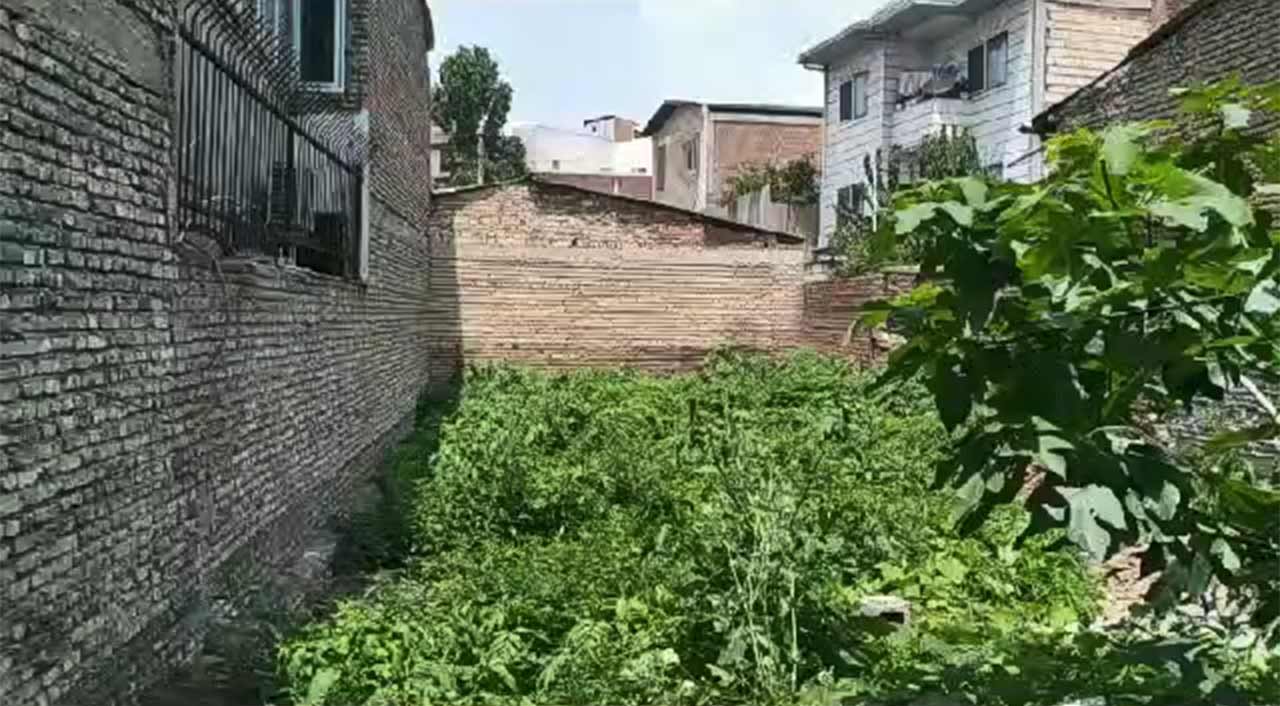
pixel 847 142
pixel 993 116
pixel 550 149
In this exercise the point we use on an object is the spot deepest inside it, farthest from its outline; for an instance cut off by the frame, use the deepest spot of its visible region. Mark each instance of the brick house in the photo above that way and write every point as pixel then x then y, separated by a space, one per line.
pixel 187 395
pixel 920 67
pixel 698 147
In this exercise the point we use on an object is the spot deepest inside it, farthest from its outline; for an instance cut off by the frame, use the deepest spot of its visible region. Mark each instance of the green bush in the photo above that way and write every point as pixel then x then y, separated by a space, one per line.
pixel 616 538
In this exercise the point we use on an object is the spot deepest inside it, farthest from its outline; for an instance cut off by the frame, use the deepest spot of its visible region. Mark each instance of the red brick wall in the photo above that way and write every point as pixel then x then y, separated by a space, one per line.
pixel 741 143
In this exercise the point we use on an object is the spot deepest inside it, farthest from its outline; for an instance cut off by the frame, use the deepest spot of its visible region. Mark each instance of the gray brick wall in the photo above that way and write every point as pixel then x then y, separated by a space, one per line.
pixel 168 425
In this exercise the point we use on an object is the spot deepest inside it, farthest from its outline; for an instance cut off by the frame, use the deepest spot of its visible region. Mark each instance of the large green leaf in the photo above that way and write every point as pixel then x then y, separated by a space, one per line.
pixel 1120 148
pixel 1088 508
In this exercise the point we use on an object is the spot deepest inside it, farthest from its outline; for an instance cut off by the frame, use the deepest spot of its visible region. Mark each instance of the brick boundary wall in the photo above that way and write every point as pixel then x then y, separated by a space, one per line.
pixel 560 278
pixel 168 429
pixel 833 304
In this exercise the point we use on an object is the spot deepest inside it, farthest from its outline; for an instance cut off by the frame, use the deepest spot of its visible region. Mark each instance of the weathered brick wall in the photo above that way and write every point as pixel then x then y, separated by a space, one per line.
pixel 737 144
pixel 1206 40
pixel 832 304
pixel 637 186
pixel 558 277
pixel 167 426
pixel 399 103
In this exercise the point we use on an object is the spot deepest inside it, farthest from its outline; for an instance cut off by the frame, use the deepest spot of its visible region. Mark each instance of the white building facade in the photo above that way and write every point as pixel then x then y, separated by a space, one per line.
pixel 557 150
pixel 919 67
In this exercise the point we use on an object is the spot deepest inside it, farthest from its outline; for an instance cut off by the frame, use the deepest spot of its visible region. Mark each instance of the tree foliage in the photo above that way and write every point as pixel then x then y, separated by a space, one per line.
pixel 1056 323
pixel 939 156
pixel 794 182
pixel 471 103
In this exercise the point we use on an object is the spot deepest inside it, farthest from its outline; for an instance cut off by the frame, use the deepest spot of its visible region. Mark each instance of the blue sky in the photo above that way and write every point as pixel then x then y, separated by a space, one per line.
pixel 572 59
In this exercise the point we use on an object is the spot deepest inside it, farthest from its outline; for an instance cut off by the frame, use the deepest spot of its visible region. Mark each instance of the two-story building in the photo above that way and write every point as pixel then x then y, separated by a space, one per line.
pixel 698 147
pixel 919 67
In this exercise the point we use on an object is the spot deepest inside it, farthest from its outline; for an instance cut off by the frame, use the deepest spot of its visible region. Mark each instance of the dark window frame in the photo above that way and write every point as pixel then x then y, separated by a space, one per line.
pixel 341 38
pixel 850 201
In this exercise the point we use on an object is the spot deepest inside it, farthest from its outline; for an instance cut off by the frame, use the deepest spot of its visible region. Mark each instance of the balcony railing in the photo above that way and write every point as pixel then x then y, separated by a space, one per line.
pixel 915 119
pixel 261 171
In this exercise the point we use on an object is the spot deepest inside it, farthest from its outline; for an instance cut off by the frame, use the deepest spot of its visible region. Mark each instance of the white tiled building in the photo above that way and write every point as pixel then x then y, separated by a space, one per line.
pixel 987 66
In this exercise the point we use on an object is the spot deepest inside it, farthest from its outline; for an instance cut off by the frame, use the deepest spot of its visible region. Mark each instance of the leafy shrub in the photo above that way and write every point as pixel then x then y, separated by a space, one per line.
pixel 611 537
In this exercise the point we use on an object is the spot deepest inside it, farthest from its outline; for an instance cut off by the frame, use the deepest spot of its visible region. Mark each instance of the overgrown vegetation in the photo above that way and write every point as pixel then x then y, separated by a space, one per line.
pixel 608 537
pixel 794 182
pixel 938 156
pixel 1061 321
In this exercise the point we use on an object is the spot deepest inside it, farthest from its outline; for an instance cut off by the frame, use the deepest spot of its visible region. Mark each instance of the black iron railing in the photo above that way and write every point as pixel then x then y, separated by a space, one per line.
pixel 265 166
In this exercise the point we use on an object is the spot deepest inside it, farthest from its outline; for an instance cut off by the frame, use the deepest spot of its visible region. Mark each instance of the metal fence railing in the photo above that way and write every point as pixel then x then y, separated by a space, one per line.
pixel 262 169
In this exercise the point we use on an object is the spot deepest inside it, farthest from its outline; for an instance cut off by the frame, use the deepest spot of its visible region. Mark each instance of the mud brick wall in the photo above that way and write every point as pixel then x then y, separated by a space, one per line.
pixel 559 277
pixel 166 424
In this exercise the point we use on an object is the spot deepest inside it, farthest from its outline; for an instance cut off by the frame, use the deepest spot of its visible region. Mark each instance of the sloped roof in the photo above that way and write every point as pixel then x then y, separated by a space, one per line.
pixel 890 18
pixel 1047 121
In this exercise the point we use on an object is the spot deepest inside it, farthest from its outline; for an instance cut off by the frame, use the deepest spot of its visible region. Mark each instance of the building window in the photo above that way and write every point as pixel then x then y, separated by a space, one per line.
pixel 691 155
pixel 860 106
pixel 977 79
pixel 660 168
pixel 555 165
pixel 989 64
pixel 853 97
pixel 994 171
pixel 319 35
pixel 849 204
pixel 998 60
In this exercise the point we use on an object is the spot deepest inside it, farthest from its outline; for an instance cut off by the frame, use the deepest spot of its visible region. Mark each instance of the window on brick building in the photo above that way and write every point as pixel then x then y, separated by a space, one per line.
pixel 319 35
